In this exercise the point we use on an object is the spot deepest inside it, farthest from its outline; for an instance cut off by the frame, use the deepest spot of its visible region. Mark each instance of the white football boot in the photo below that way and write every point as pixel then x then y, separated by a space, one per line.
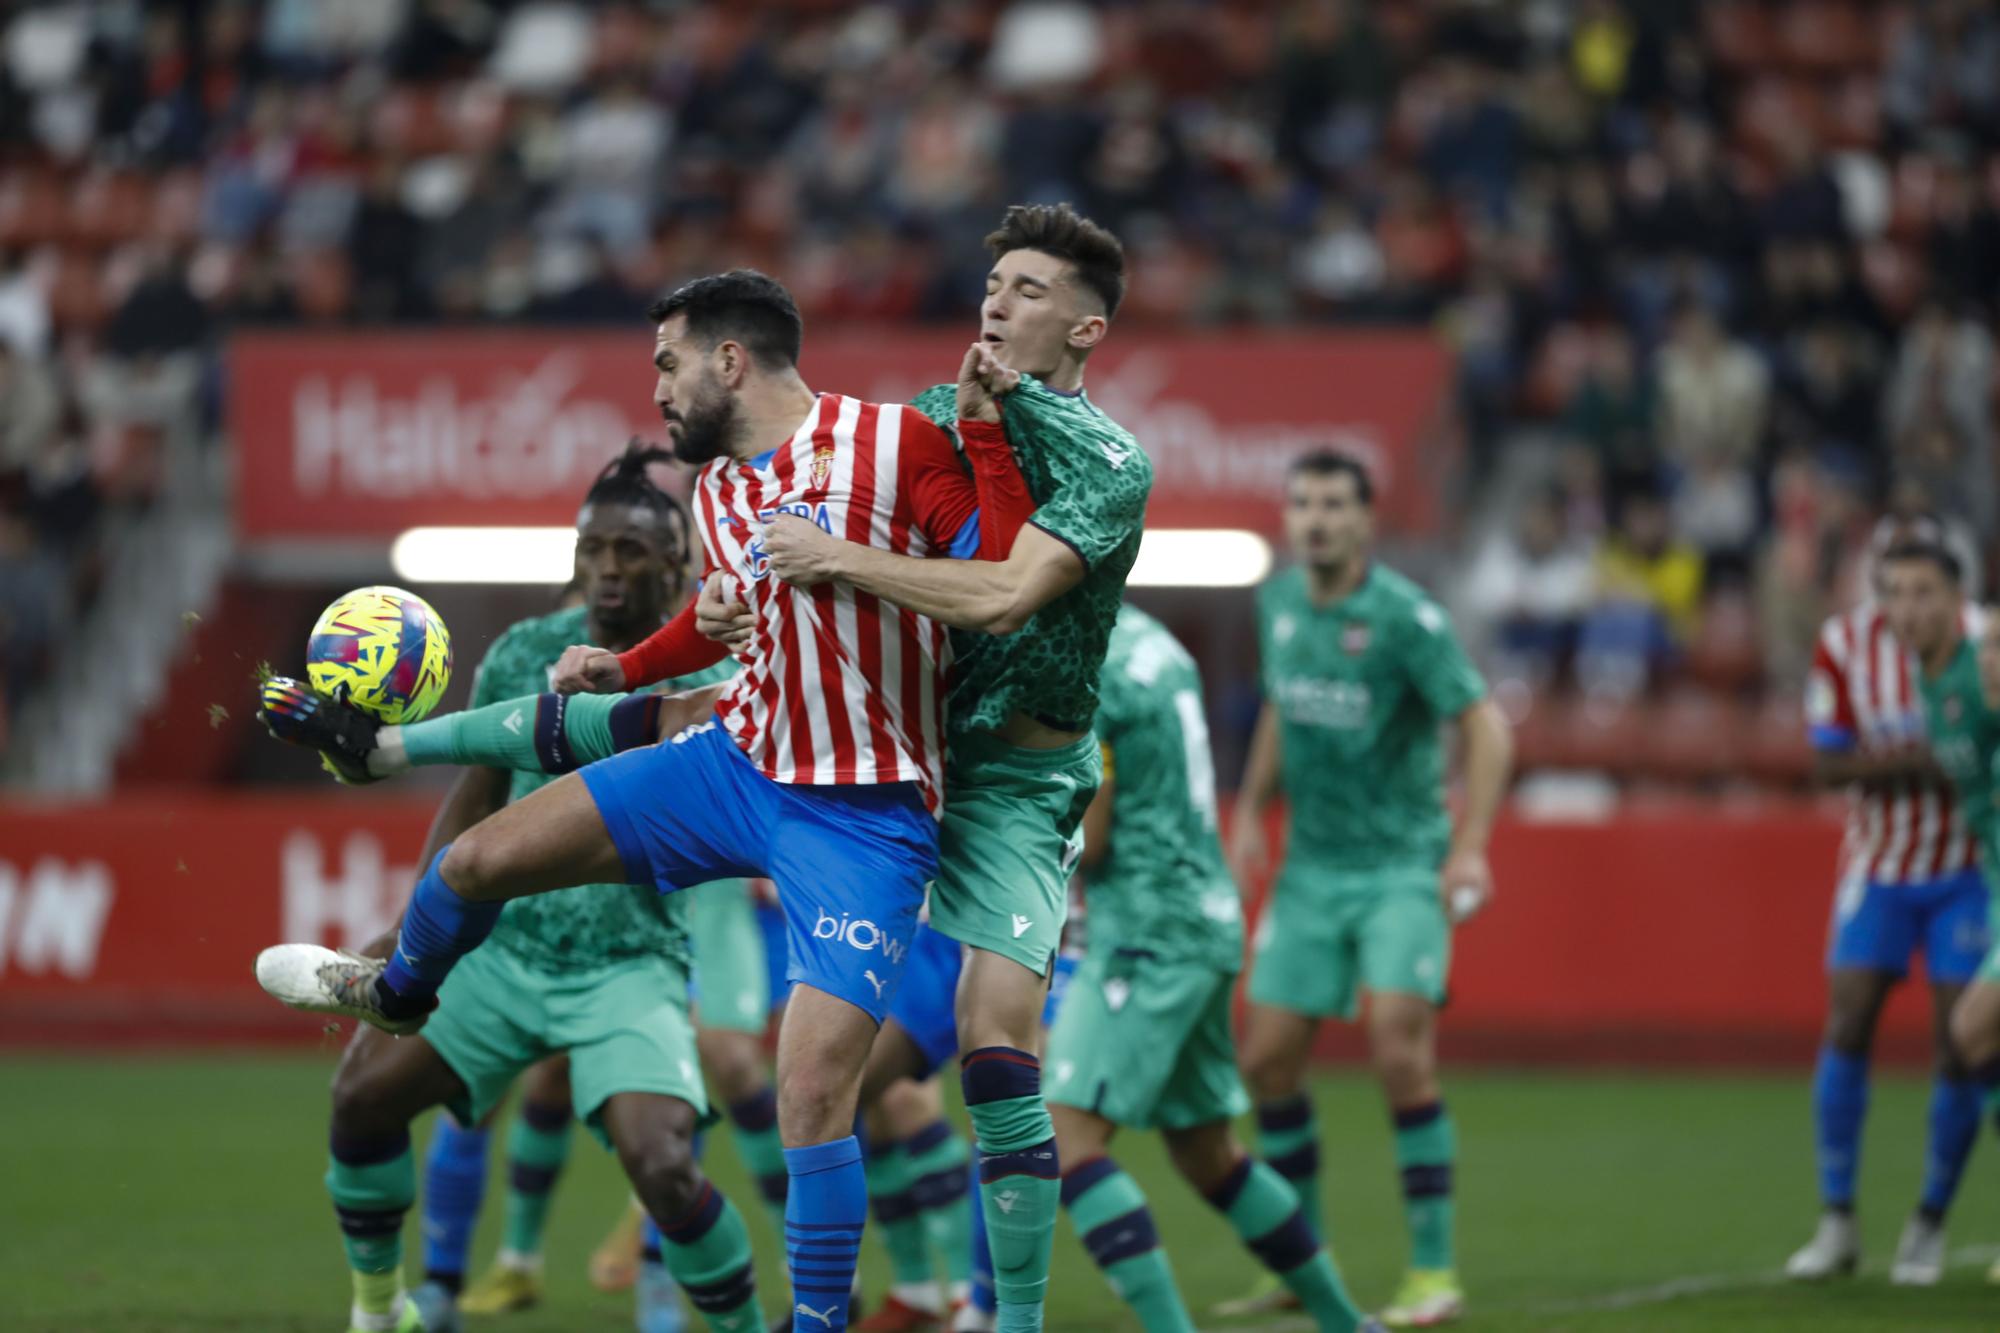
pixel 1834 1251
pixel 329 981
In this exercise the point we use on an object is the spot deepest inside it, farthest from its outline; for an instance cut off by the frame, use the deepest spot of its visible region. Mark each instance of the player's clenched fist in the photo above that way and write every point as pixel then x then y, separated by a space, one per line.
pixel 583 669
pixel 801 553
pixel 981 382
pixel 721 616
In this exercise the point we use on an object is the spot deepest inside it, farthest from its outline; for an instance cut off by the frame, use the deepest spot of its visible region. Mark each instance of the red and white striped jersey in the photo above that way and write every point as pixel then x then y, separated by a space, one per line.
pixel 839 687
pixel 1862 695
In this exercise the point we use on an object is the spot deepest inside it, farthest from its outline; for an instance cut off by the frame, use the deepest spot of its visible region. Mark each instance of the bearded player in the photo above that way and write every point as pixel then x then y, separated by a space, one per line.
pixel 1022 764
pixel 1909 878
pixel 1361 675
pixel 821 768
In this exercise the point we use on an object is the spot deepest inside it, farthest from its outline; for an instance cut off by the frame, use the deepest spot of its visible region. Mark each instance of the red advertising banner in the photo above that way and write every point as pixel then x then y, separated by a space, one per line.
pixel 352 436
pixel 1638 939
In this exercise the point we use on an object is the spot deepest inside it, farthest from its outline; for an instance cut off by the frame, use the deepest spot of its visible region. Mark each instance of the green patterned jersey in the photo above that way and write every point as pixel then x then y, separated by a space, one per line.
pixel 1089 479
pixel 1965 741
pixel 1163 885
pixel 1360 687
pixel 593 924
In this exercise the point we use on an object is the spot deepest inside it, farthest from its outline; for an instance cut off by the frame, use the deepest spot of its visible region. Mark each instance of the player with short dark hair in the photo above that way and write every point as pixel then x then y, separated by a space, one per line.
pixel 1022 764
pixel 1973 759
pixel 820 768
pixel 1909 879
pixel 1361 673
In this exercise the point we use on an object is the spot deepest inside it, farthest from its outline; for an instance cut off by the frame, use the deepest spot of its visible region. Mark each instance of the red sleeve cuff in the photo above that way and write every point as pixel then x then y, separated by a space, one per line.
pixel 677 648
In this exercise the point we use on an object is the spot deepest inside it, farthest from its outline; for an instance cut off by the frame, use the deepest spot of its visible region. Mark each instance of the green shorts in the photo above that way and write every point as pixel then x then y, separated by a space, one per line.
pixel 1010 836
pixel 1989 970
pixel 1329 934
pixel 624 1025
pixel 732 984
pixel 1146 1044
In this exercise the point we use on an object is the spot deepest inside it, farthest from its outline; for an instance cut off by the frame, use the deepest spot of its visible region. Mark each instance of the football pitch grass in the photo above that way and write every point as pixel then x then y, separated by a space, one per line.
pixel 142 1192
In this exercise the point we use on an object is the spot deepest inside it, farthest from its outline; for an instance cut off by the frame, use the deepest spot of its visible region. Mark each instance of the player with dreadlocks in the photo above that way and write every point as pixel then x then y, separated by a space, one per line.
pixel 596 972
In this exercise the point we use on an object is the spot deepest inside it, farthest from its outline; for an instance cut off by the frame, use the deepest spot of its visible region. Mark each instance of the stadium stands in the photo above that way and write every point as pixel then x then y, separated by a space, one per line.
pixel 1743 256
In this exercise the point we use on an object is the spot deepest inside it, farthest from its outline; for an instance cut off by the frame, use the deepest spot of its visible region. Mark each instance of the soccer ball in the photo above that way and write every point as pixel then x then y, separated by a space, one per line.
pixel 383 650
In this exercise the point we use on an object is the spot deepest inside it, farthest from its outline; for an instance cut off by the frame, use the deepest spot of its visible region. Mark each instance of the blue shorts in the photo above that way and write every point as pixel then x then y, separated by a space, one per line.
pixel 851 862
pixel 926 1006
pixel 1878 926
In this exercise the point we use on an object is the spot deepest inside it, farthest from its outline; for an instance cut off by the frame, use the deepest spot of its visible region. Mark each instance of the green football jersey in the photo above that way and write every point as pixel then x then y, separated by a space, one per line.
pixel 1361 687
pixel 588 926
pixel 1089 479
pixel 1163 885
pixel 1965 741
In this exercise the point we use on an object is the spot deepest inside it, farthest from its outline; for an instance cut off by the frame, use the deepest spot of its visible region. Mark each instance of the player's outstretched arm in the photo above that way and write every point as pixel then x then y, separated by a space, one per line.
pixel 1486 750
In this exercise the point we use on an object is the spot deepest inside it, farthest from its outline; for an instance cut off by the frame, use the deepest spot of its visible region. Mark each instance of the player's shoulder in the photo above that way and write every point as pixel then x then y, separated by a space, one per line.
pixel 543 635
pixel 1402 599
pixel 938 405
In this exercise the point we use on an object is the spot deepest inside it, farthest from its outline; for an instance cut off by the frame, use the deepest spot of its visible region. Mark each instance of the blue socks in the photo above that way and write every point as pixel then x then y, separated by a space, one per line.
pixel 454 1187
pixel 825 1210
pixel 1840 1104
pixel 1955 1108
pixel 439 928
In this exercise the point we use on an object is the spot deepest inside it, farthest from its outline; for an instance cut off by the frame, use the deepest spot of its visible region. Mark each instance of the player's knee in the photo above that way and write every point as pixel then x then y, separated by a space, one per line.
pixel 733 1063
pixel 664 1174
pixel 1269 1075
pixel 1974 1038
pixel 475 867
pixel 1849 1031
pixel 1205 1155
pixel 815 1103
pixel 360 1101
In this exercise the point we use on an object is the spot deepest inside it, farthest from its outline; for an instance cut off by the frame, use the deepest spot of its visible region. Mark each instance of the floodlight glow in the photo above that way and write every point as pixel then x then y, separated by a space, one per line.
pixel 1201 558
pixel 484 555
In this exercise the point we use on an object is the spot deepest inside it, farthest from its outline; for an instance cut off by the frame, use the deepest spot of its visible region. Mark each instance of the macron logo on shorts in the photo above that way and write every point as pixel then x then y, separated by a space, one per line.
pixel 1021 925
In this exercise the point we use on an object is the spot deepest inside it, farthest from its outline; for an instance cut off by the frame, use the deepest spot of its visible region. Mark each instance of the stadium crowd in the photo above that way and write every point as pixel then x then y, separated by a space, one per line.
pixel 1738 262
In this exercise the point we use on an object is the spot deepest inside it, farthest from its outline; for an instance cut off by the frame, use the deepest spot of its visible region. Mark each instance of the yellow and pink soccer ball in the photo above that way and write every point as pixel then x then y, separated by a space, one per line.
pixel 382 649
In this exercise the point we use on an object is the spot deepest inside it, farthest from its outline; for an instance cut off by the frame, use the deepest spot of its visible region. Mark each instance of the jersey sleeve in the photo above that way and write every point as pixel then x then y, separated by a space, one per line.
pixel 1830 723
pixel 1101 477
pixel 676 648
pixel 964 515
pixel 1439 669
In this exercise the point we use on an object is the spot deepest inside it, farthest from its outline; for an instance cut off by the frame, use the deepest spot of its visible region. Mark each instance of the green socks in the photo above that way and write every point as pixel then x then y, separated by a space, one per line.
pixel 1426 1147
pixel 537 1147
pixel 1288 1141
pixel 940 1185
pixel 1018 1178
pixel 708 1252
pixel 754 1120
pixel 1112 1219
pixel 1269 1218
pixel 553 733
pixel 372 1183
pixel 900 1225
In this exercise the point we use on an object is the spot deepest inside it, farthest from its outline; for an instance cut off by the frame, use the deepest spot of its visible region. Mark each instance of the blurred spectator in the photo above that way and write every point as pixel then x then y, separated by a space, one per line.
pixel 612 145
pixel 29 583
pixel 1530 589
pixel 30 407
pixel 384 247
pixel 1825 403
pixel 1648 597
pixel 24 307
pixel 1613 408
pixel 1939 415
pixel 1940 69
pixel 1714 393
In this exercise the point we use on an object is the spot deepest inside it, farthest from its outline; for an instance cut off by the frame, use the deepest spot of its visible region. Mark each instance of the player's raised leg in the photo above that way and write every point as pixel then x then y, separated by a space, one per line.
pixel 553 838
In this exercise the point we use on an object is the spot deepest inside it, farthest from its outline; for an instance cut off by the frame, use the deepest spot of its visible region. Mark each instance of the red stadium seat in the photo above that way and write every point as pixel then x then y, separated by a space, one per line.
pixel 110 207
pixel 32 207
pixel 1823 37
pixel 1738 34
pixel 1607 735
pixel 1777 752
pixel 1695 736
pixel 1725 655
pixel 77 299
